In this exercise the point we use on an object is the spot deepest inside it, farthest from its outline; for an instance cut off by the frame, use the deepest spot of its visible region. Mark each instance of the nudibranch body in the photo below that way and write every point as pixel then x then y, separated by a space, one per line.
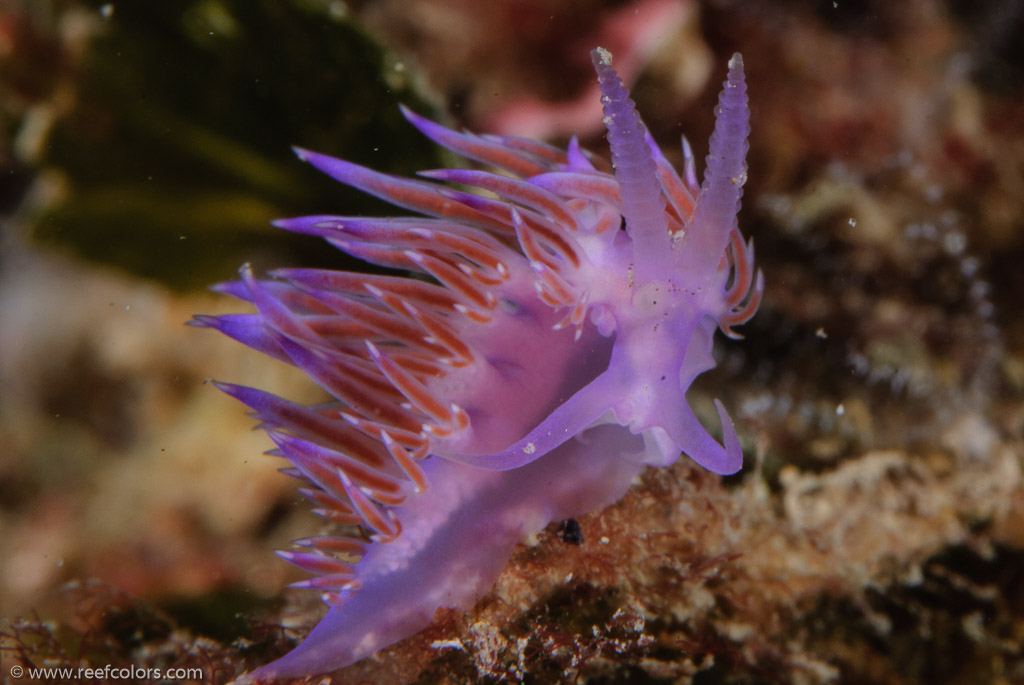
pixel 536 365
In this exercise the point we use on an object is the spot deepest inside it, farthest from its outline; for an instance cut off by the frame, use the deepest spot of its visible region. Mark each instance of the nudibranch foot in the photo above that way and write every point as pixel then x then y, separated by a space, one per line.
pixel 482 516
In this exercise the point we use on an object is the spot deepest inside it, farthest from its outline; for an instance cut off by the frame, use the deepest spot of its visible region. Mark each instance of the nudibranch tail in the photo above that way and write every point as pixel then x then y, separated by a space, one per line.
pixel 529 363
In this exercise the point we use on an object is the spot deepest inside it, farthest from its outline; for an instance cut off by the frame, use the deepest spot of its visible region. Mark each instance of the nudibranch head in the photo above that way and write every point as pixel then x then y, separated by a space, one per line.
pixel 539 357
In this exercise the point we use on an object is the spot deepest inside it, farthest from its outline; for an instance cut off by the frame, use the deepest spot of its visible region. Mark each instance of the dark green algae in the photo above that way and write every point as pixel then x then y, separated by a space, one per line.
pixel 176 152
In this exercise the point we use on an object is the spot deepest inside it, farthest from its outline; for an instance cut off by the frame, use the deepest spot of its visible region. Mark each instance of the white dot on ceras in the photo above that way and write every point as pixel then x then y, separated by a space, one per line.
pixel 530 448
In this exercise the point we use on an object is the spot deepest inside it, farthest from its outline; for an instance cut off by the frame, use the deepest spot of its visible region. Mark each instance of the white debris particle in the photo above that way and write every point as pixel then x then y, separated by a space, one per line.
pixel 954 243
pixel 453 643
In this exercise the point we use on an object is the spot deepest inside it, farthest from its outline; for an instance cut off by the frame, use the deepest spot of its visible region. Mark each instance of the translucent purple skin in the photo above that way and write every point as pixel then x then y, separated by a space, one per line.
pixel 542 370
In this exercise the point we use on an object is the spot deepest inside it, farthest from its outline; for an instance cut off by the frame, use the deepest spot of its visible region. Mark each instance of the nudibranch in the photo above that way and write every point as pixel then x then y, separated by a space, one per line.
pixel 534 363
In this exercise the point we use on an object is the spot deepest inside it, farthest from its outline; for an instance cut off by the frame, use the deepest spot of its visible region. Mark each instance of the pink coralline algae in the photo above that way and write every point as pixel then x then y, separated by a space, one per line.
pixel 539 360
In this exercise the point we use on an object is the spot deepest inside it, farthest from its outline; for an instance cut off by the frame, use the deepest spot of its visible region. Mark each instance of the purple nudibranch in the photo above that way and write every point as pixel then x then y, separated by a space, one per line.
pixel 537 363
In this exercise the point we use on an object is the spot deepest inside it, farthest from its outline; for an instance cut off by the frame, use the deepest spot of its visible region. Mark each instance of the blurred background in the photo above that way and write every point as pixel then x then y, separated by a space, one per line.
pixel 145 147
